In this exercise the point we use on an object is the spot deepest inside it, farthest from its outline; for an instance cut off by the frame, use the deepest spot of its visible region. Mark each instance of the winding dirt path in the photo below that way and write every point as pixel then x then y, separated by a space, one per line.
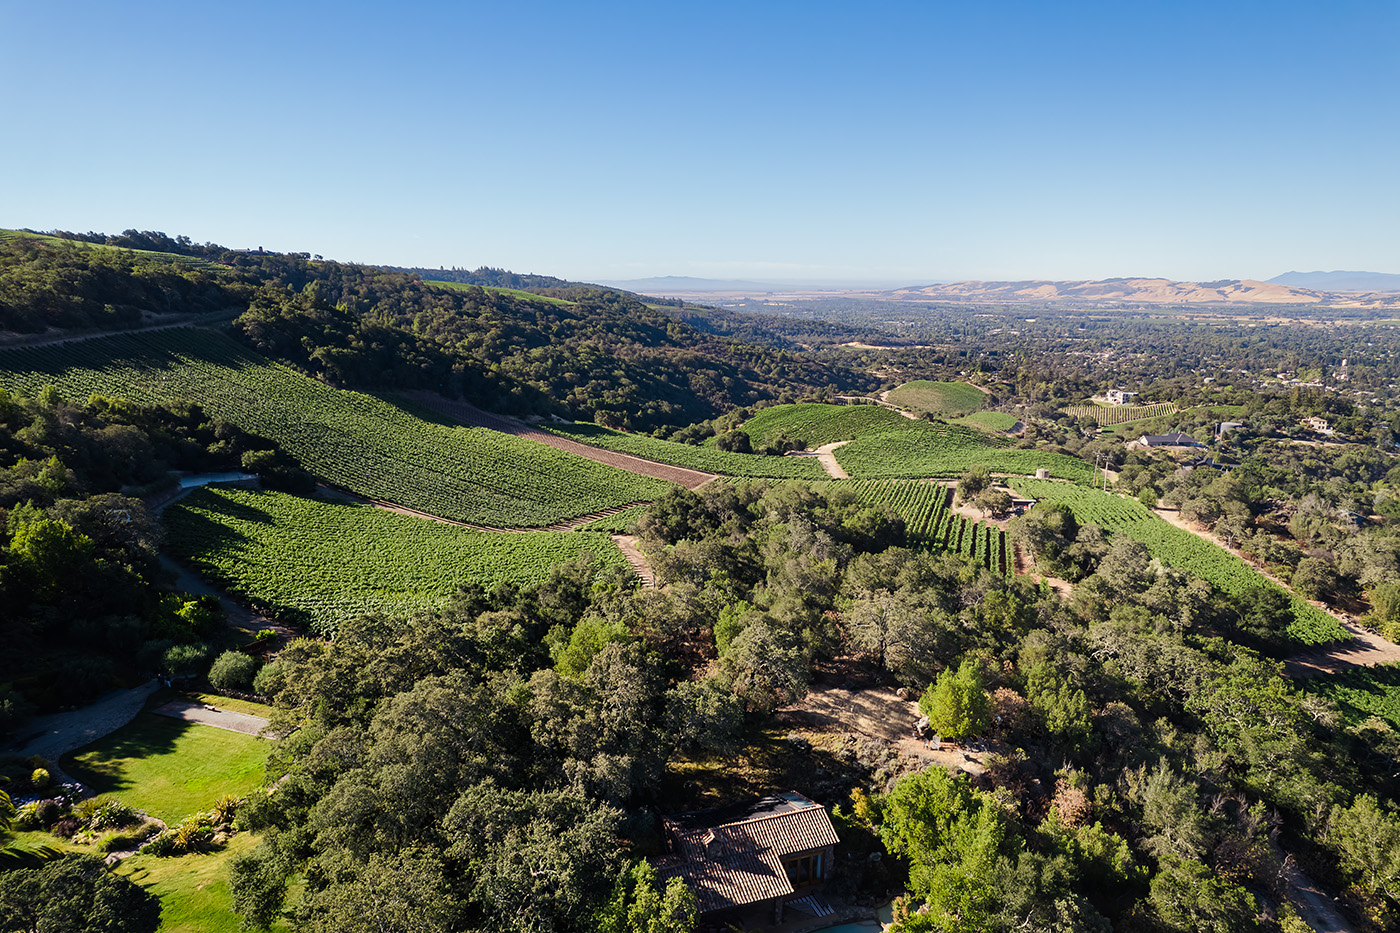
pixel 1364 649
pixel 469 414
pixel 826 454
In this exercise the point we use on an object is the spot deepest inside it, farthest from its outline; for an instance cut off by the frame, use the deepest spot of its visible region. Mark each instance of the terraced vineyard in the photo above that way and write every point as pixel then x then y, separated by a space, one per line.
pixel 356 441
pixel 1118 414
pixel 931 525
pixel 320 563
pixel 1180 549
pixel 691 456
pixel 818 423
pixel 925 450
pixel 1362 692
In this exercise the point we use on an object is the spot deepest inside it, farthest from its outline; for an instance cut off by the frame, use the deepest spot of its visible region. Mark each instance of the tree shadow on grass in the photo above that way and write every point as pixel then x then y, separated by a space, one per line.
pixel 101 765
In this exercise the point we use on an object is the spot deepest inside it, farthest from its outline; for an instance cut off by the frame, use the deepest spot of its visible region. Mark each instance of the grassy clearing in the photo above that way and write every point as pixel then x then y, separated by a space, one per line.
pixel 360 442
pixel 818 423
pixel 988 420
pixel 193 889
pixel 178 258
pixel 323 562
pixel 944 399
pixel 690 456
pixel 930 450
pixel 170 768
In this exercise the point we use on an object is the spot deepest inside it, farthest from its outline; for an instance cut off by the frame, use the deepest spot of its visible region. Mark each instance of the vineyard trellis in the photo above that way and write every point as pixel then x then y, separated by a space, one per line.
pixel 931 524
pixel 357 441
pixel 1181 549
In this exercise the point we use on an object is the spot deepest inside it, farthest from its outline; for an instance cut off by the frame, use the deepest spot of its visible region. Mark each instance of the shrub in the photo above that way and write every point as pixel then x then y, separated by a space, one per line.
pixel 123 840
pixel 268 681
pixel 185 660
pixel 67 827
pixel 161 844
pixel 99 813
pixel 233 670
pixel 225 810
pixel 39 779
pixel 41 814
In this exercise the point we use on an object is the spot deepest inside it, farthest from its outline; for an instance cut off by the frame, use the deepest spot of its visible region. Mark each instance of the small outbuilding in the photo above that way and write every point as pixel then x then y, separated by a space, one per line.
pixel 1174 439
pixel 757 857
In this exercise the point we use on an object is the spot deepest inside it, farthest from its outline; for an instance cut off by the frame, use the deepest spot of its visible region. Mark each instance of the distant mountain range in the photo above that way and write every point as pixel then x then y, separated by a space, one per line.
pixel 1341 281
pixel 1336 289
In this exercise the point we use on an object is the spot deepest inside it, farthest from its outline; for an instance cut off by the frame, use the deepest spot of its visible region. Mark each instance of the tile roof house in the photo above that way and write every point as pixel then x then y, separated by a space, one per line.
pixel 759 856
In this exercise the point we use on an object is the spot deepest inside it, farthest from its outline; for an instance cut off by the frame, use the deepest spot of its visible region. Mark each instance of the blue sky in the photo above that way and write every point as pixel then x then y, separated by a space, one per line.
pixel 898 142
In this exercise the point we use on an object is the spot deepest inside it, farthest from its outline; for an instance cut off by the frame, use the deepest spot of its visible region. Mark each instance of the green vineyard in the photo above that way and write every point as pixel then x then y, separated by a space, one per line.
pixel 929 523
pixel 690 456
pixel 319 563
pixel 924 450
pixel 1362 692
pixel 356 441
pixel 1118 414
pixel 1181 549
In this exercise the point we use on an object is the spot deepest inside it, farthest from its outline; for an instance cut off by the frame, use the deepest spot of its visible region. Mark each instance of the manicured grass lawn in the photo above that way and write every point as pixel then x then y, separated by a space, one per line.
pixel 232 703
pixel 193 889
pixel 170 768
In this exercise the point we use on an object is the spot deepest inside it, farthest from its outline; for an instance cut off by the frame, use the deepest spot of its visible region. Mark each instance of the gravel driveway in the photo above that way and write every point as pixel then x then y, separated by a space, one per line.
pixel 57 734
pixel 191 711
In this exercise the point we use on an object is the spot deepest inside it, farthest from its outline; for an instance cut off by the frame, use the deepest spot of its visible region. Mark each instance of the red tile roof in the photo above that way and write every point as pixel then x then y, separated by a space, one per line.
pixel 746 864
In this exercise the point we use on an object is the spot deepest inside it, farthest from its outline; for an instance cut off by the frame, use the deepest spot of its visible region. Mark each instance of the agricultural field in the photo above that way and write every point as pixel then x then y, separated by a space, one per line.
pixel 691 456
pixel 497 290
pixel 988 420
pixel 944 399
pixel 1181 549
pixel 929 523
pixel 1118 414
pixel 1131 429
pixel 818 423
pixel 1362 692
pixel 357 441
pixel 925 450
pixel 320 563
pixel 616 523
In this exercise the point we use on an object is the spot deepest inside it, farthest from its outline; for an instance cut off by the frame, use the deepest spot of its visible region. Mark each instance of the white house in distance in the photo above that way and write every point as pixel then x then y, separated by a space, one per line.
pixel 1119 397
pixel 1319 425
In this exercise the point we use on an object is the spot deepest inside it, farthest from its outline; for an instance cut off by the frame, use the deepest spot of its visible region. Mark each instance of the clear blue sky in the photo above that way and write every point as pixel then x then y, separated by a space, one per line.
pixel 897 141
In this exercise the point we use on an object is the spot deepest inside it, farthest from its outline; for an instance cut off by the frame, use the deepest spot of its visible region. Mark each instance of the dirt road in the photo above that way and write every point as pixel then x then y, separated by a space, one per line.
pixel 1364 649
pixel 469 414
pixel 827 457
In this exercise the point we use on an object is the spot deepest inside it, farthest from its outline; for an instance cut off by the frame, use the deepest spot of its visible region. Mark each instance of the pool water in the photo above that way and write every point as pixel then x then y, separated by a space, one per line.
pixel 886 914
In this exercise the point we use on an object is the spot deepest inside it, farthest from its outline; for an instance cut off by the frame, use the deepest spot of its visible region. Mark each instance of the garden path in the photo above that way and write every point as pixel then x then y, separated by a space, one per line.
pixel 57 734
pixel 190 711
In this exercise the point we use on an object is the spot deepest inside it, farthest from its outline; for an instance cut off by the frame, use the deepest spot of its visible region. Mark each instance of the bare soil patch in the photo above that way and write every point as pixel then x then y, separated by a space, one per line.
pixel 825 454
pixel 469 414
pixel 878 714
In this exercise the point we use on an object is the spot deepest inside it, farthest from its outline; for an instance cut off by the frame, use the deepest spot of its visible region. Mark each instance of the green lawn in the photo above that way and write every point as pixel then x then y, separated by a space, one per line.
pixel 168 767
pixel 193 889
pixel 945 399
